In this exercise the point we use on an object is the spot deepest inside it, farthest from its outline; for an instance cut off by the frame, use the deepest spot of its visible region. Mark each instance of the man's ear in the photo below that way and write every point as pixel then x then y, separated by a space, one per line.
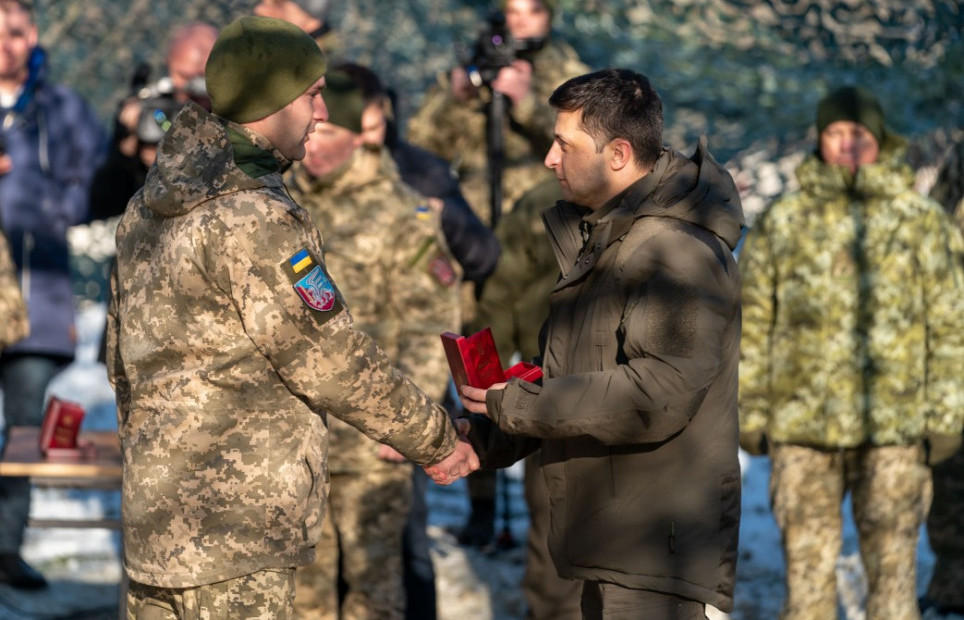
pixel 620 153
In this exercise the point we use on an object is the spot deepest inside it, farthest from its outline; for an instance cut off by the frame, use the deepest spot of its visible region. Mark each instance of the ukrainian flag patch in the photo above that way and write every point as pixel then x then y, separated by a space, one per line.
pixel 423 212
pixel 301 261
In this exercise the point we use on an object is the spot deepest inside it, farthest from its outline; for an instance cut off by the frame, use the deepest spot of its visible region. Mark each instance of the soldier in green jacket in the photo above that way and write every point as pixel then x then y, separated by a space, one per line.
pixel 229 345
pixel 945 592
pixel 853 349
pixel 385 245
pixel 636 417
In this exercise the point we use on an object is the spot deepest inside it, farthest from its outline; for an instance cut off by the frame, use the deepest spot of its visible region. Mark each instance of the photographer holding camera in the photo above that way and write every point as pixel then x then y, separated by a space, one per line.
pixel 515 58
pixel 143 117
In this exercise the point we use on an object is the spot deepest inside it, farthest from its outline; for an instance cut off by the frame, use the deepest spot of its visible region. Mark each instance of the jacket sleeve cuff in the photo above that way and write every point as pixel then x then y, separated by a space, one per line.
pixel 493 404
pixel 446 440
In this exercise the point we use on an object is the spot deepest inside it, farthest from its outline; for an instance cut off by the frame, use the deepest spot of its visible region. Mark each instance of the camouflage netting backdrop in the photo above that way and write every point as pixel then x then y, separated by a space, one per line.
pixel 746 73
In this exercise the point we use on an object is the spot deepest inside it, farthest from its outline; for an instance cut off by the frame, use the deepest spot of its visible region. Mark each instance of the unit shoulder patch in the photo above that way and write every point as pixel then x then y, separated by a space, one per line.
pixel 312 283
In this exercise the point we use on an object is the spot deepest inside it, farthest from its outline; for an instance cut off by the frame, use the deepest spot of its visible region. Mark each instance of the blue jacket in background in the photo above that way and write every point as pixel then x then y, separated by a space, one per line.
pixel 56 142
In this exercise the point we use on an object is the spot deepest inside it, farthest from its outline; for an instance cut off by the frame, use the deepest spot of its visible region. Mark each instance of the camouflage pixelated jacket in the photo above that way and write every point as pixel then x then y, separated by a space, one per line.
pixel 456 131
pixel 14 324
pixel 385 246
pixel 853 312
pixel 227 345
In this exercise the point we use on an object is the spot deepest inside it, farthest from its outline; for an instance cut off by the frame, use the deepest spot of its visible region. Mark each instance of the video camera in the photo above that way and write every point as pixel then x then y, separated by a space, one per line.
pixel 155 118
pixel 159 102
pixel 496 48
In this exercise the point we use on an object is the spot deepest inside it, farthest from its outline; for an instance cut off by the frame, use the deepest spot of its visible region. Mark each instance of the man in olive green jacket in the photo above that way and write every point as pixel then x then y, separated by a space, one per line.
pixel 853 352
pixel 636 417
pixel 229 345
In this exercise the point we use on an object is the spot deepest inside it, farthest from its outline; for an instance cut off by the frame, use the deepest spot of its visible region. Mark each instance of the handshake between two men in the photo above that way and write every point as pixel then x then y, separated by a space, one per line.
pixel 463 461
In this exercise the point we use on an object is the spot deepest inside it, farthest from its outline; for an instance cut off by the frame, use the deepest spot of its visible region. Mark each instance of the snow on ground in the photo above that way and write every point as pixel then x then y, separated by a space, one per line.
pixel 84 567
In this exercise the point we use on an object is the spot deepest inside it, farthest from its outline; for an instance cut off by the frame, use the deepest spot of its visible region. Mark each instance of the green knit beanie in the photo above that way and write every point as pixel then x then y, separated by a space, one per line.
pixel 852 103
pixel 344 99
pixel 258 65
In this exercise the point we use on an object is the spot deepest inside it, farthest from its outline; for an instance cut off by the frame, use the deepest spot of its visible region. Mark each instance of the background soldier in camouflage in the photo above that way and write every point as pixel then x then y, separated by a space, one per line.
pixel 229 345
pixel 853 348
pixel 386 246
pixel 14 324
pixel 945 592
pixel 451 122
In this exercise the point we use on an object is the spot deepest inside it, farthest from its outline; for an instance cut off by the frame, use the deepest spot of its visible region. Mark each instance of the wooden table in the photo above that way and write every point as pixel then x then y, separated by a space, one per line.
pixel 22 457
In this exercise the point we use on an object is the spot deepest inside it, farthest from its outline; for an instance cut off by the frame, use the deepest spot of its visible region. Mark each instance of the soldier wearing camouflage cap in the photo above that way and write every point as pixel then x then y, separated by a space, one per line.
pixel 385 244
pixel 229 345
pixel 853 346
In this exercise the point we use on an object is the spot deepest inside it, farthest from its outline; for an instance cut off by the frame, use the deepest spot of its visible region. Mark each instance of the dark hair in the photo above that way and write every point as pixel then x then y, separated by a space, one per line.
pixel 616 103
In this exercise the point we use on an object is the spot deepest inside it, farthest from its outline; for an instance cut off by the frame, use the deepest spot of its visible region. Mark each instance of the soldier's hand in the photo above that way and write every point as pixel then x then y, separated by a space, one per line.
pixel 514 81
pixel 6 164
pixel 462 88
pixel 462 426
pixel 390 454
pixel 462 462
pixel 473 399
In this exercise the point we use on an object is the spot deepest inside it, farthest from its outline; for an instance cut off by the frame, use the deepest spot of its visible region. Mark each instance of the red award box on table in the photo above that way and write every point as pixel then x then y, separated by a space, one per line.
pixel 58 435
pixel 474 361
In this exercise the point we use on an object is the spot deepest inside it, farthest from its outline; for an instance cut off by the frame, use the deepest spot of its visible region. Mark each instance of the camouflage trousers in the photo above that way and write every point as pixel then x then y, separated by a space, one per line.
pixel 264 595
pixel 946 588
pixel 361 547
pixel 890 493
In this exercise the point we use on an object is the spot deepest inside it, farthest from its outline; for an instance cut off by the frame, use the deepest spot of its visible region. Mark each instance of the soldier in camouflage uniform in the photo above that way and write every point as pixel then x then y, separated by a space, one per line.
pixel 451 122
pixel 853 347
pixel 229 346
pixel 386 247
pixel 14 324
pixel 945 592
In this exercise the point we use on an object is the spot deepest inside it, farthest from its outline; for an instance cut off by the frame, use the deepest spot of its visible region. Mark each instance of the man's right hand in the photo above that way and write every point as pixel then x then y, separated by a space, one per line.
pixel 6 164
pixel 462 462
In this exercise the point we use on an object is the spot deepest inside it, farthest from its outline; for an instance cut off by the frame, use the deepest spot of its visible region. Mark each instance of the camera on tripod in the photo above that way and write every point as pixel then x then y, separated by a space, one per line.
pixel 497 48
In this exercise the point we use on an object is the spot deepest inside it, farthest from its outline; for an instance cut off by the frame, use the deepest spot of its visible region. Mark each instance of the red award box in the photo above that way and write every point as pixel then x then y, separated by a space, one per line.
pixel 60 426
pixel 474 361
